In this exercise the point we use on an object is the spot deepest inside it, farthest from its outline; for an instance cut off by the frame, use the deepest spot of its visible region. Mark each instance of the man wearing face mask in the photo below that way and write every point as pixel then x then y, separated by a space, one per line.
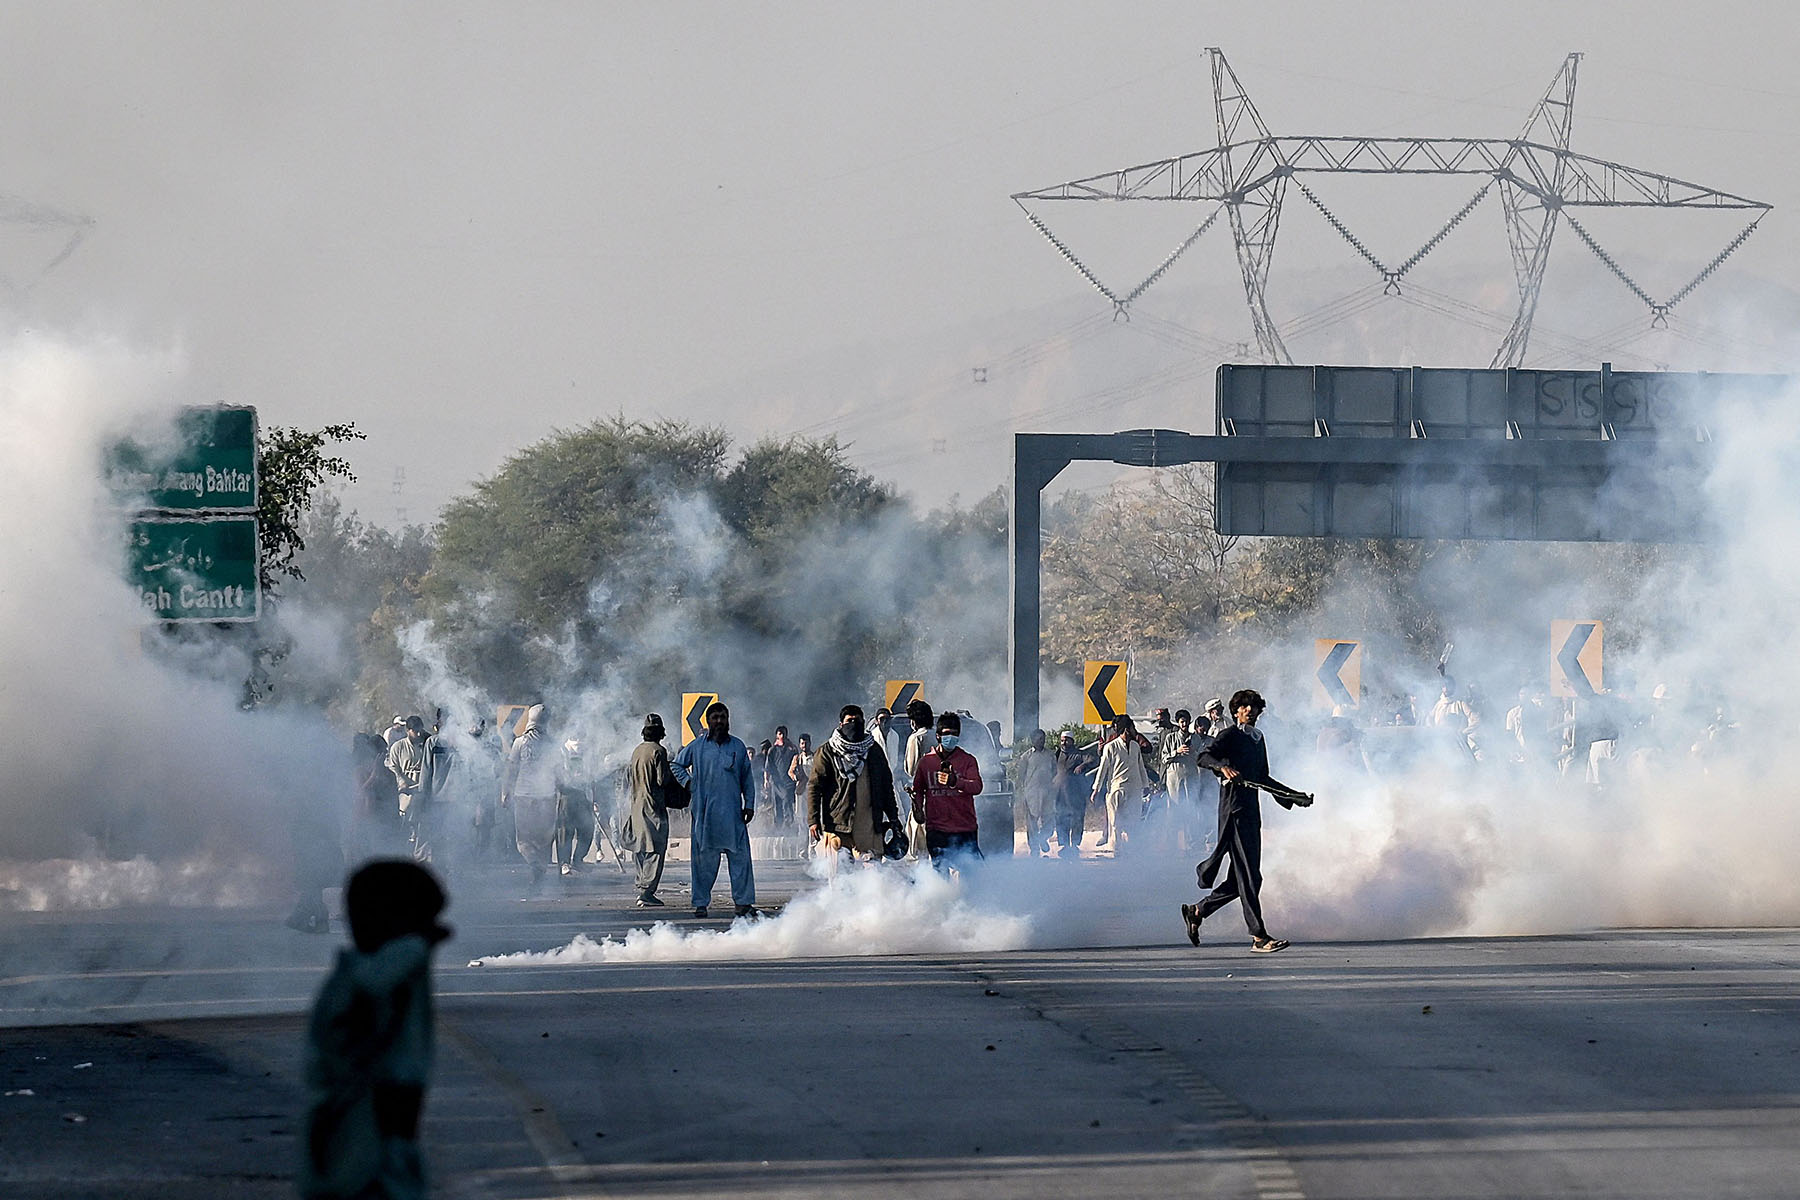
pixel 850 796
pixel 716 771
pixel 944 789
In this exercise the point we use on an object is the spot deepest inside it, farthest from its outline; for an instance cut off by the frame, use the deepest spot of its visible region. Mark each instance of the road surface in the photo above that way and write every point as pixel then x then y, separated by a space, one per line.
pixel 1618 1063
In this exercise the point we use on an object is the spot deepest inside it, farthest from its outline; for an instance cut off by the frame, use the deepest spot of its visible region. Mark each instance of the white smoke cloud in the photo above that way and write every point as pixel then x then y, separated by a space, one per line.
pixel 117 741
pixel 859 910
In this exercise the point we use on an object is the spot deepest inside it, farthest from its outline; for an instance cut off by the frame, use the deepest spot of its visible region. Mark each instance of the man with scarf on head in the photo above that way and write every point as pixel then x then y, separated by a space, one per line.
pixel 646 832
pixel 535 777
pixel 1241 758
pixel 944 789
pixel 850 797
pixel 716 771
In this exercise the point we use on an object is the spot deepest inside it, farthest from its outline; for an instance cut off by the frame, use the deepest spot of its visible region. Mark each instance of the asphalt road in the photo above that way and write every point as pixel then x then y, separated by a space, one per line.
pixel 1629 1064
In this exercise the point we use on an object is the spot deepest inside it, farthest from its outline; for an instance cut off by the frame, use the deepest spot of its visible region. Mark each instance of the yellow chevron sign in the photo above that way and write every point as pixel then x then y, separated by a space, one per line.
pixel 1102 692
pixel 693 714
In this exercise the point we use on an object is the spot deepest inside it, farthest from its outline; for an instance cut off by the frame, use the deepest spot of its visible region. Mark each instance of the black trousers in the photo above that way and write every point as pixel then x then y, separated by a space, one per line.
pixel 942 845
pixel 1240 839
pixel 1068 815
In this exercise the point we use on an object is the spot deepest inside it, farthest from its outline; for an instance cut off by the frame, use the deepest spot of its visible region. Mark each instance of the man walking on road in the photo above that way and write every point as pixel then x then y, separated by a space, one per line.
pixel 646 831
pixel 1240 757
pixel 778 764
pixel 1121 781
pixel 850 797
pixel 944 789
pixel 1034 787
pixel 716 771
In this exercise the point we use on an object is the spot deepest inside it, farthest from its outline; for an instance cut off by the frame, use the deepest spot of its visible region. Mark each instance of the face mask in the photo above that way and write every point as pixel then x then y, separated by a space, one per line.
pixel 948 741
pixel 854 730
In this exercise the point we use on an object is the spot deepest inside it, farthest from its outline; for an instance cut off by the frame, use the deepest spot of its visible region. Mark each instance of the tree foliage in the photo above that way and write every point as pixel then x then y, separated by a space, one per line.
pixel 292 464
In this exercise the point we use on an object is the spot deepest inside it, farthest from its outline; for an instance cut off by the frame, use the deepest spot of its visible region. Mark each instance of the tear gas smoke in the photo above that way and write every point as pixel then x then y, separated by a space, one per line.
pixel 1439 845
pixel 117 741
pixel 859 910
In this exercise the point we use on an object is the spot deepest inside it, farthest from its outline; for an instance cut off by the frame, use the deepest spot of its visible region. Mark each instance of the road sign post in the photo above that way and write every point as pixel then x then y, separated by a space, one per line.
pixel 693 714
pixel 1577 658
pixel 196 569
pixel 208 465
pixel 1103 694
pixel 509 722
pixel 1337 672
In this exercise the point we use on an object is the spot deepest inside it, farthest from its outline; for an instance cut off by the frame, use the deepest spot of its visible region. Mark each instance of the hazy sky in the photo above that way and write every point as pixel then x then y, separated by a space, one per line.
pixel 463 226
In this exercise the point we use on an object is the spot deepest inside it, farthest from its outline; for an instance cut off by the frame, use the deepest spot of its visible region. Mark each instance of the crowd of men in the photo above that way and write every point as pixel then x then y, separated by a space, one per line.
pixel 873 790
pixel 1596 738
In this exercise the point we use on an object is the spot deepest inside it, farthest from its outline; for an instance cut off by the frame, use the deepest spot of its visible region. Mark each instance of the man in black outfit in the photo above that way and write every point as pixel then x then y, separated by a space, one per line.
pixel 1240 757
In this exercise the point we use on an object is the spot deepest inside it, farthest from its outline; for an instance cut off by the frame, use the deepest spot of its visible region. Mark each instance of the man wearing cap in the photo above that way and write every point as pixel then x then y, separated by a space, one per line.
pixel 716 771
pixel 410 761
pixel 646 832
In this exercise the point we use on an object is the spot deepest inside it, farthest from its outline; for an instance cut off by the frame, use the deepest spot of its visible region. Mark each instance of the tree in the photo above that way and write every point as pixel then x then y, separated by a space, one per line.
pixel 570 545
pixel 784 486
pixel 291 465
pixel 1137 572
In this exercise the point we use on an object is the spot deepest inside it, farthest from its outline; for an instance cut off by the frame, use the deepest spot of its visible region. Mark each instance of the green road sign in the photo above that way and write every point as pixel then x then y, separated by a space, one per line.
pixel 196 569
pixel 208 463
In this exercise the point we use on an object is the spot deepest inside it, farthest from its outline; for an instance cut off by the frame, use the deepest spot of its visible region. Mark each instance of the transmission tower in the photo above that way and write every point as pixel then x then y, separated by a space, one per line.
pixel 1541 183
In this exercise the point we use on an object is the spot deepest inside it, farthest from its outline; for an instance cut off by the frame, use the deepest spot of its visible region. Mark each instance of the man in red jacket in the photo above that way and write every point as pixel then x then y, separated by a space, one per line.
pixel 944 789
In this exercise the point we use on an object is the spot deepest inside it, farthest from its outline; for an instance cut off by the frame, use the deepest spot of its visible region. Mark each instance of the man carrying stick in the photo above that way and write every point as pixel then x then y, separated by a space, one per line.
pixel 1241 759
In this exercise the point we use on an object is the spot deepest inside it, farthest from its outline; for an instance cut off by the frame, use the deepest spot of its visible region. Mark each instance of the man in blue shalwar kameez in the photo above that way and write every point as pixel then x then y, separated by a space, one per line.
pixel 716 771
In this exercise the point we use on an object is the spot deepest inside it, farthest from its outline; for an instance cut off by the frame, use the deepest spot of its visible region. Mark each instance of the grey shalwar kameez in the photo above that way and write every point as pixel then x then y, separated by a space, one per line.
pixel 646 831
pixel 534 775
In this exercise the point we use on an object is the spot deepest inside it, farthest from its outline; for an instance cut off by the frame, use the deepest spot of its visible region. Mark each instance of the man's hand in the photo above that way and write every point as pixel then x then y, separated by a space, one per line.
pixel 918 812
pixel 812 833
pixel 1304 801
pixel 1230 773
pixel 748 814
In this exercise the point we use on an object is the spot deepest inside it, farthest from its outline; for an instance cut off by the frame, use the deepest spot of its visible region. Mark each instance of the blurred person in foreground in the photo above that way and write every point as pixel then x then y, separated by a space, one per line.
pixel 944 789
pixel 850 795
pixel 369 1041
pixel 716 771
pixel 1240 756
pixel 646 831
